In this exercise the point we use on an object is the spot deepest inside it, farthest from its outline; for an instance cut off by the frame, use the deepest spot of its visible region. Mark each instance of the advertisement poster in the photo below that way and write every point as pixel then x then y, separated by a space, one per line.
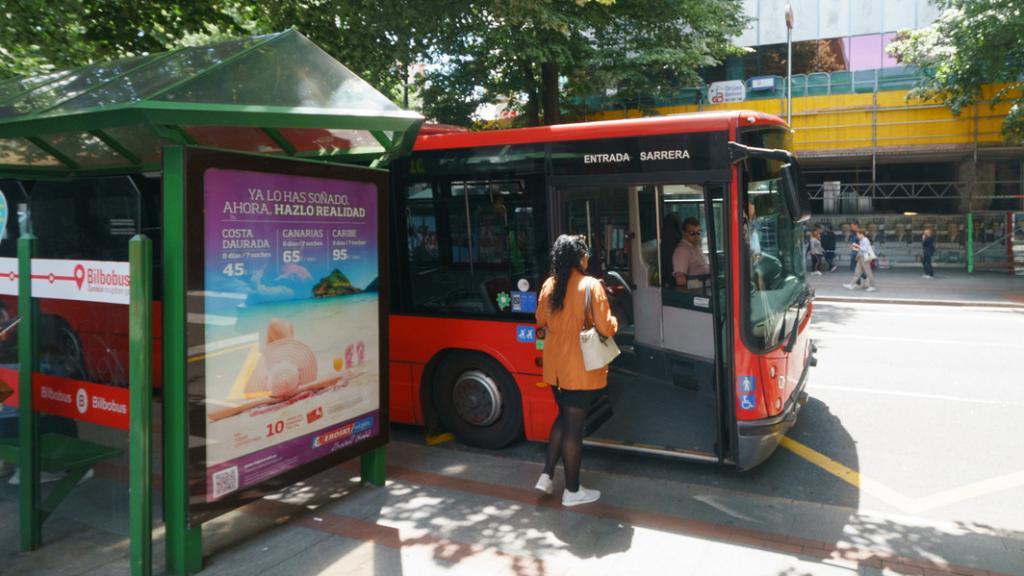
pixel 291 322
pixel 727 91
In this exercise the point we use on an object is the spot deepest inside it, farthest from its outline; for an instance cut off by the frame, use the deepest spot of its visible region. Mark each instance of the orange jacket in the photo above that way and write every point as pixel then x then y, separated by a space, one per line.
pixel 563 360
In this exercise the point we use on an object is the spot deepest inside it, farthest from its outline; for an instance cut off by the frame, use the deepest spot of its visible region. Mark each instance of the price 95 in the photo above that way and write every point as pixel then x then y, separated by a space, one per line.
pixel 339 254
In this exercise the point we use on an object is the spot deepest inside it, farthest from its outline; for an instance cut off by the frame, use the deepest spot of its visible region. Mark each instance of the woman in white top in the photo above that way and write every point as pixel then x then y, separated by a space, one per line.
pixel 865 254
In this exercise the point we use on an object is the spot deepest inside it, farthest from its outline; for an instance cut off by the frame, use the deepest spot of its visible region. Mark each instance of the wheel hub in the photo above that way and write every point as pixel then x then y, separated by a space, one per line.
pixel 477 398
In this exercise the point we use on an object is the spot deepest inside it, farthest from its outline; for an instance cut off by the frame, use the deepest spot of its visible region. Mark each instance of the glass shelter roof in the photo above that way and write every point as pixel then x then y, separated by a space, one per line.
pixel 275 94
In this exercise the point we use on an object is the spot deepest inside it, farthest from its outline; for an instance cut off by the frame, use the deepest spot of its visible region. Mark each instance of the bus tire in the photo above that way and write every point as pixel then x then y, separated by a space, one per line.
pixel 477 400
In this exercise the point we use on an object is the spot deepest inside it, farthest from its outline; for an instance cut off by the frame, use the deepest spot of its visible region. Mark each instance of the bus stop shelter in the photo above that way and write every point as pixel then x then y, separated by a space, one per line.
pixel 277 95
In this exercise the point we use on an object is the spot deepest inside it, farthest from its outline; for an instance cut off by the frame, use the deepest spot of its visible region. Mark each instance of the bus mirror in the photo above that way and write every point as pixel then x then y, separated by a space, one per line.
pixel 797 202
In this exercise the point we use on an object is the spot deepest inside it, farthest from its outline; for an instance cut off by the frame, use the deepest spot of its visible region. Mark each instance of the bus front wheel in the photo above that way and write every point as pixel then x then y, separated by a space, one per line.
pixel 478 401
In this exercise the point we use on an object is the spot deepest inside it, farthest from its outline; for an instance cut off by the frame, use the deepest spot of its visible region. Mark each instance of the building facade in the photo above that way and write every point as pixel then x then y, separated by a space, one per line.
pixel 870 153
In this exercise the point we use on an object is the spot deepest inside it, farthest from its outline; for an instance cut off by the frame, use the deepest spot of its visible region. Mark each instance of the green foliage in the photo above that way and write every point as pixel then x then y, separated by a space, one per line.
pixel 502 48
pixel 467 52
pixel 38 36
pixel 972 43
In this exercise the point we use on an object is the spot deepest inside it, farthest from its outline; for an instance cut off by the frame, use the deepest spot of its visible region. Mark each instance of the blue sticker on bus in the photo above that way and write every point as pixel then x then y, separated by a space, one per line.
pixel 524 302
pixel 747 384
pixel 526 333
pixel 748 401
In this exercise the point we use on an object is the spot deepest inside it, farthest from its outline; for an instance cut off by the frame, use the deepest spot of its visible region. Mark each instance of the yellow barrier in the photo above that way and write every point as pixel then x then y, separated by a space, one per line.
pixel 882 120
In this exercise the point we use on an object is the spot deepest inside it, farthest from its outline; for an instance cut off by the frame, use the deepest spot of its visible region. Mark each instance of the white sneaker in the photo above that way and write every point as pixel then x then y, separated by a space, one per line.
pixel 871 289
pixel 848 286
pixel 816 273
pixel 834 268
pixel 581 496
pixel 544 484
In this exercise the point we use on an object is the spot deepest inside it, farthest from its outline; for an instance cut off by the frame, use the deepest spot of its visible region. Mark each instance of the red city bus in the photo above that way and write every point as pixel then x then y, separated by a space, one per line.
pixel 714 370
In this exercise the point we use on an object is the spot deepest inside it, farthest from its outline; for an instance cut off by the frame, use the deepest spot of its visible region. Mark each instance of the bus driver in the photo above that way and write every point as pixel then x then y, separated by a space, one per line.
pixel 688 261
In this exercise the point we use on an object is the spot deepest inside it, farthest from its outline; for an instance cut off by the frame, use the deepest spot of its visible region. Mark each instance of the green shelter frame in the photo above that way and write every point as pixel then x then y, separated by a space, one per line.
pixel 274 94
pixel 277 94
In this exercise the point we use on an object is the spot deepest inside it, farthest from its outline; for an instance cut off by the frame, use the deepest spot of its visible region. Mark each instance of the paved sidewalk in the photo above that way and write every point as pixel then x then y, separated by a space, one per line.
pixel 905 285
pixel 455 512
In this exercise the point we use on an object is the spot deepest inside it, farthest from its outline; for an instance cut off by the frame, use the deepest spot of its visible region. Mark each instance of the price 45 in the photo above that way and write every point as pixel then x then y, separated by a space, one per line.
pixel 234 269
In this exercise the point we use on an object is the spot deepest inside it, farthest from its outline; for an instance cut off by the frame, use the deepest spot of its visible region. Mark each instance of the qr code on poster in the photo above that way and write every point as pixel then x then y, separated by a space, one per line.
pixel 225 481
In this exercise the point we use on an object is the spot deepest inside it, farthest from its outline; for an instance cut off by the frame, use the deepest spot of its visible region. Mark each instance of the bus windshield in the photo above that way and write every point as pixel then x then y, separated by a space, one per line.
pixel 775 266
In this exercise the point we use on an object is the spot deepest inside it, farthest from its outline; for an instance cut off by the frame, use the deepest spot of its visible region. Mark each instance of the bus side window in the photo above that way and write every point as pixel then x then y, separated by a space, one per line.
pixel 475 246
pixel 683 234
pixel 649 250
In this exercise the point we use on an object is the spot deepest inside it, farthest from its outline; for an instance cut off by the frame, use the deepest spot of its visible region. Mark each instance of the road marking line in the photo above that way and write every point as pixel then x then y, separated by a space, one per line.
pixel 894 498
pixel 974 490
pixel 913 395
pixel 846 474
pixel 220 352
pixel 439 439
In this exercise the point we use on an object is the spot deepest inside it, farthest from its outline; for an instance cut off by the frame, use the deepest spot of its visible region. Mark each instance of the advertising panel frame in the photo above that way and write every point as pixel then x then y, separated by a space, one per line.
pixel 197 161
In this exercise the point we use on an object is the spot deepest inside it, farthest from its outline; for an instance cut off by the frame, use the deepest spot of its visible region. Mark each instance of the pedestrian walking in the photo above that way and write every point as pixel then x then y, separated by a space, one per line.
pixel 828 244
pixel 817 252
pixel 863 277
pixel 927 251
pixel 853 240
pixel 561 314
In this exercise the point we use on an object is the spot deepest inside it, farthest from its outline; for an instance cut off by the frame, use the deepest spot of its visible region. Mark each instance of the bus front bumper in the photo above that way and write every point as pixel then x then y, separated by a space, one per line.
pixel 757 439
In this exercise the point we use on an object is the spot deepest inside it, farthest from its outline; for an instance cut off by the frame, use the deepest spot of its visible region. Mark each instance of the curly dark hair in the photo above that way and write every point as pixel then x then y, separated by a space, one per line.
pixel 566 254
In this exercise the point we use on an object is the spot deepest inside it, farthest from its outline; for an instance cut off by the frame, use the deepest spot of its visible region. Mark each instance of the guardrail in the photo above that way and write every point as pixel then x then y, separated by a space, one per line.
pixel 982 189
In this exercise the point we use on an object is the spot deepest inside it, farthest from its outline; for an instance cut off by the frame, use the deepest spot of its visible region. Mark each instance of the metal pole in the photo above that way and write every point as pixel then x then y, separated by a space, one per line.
pixel 28 421
pixel 184 544
pixel 140 394
pixel 373 467
pixel 789 65
pixel 789 77
pixel 970 242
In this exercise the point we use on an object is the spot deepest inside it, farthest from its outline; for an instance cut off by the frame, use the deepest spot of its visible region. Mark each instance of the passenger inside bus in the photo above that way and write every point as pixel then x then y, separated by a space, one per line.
pixel 682 253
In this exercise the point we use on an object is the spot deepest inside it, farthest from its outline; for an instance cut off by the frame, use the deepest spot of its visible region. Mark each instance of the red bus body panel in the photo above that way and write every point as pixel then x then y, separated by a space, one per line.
pixel 417 340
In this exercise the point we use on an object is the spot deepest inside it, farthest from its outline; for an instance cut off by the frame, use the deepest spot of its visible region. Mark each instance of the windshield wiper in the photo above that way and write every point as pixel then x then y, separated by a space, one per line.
pixel 807 295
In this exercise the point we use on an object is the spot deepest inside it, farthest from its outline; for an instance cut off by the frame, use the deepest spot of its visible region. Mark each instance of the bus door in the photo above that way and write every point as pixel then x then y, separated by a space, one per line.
pixel 662 395
pixel 601 213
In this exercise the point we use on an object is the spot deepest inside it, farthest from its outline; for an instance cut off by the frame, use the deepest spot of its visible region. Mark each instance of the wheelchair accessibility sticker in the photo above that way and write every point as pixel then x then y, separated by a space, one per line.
pixel 526 333
pixel 748 401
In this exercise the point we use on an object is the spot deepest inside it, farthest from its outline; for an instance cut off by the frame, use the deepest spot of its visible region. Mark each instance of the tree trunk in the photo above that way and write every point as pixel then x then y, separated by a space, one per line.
pixel 552 108
pixel 533 99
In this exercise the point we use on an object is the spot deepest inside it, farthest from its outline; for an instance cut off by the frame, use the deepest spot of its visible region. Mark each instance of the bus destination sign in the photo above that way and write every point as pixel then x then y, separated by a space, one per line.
pixel 644 154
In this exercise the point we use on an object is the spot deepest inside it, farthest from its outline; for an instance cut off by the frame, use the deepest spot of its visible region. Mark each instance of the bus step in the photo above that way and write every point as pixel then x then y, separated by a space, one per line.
pixel 667 451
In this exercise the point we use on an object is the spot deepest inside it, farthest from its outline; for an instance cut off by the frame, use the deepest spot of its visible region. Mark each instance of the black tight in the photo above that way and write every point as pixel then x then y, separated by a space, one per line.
pixel 566 442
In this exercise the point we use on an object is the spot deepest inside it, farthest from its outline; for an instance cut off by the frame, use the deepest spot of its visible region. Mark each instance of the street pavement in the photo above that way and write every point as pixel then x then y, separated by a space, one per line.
pixel 906 460
pixel 950 286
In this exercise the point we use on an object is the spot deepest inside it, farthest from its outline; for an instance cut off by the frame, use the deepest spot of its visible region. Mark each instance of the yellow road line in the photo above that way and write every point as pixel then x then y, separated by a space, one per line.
pixel 973 490
pixel 220 352
pixel 439 439
pixel 851 477
pixel 238 389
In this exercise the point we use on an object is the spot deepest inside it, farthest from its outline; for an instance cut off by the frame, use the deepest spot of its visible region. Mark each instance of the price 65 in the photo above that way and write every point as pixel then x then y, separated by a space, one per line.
pixel 291 256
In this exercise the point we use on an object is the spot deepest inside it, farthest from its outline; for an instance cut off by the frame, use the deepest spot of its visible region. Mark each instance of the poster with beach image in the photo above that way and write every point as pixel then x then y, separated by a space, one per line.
pixel 291 318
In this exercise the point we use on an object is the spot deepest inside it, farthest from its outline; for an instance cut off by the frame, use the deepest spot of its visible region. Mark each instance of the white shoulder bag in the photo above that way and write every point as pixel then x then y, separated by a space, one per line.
pixel 598 350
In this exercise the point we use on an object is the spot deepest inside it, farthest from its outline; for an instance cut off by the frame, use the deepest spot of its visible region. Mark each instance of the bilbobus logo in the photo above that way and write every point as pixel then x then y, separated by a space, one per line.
pixel 82 401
